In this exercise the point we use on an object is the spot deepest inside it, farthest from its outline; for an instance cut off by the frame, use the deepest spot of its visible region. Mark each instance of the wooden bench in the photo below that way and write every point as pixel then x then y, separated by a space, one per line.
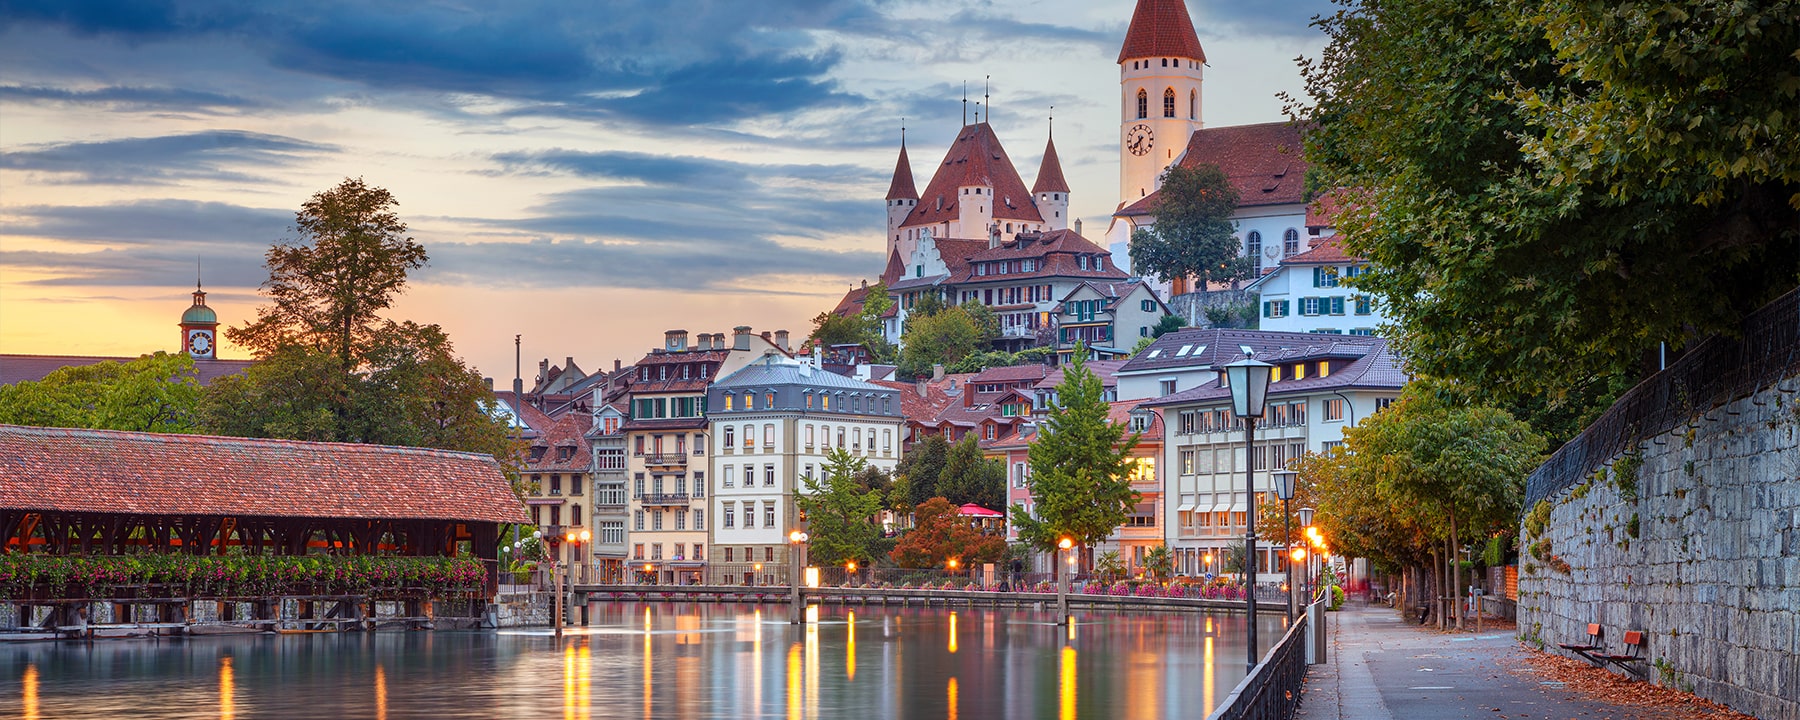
pixel 1634 642
pixel 1592 644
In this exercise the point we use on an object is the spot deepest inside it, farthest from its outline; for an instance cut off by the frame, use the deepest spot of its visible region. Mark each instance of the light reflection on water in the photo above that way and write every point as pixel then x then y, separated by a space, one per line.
pixel 655 660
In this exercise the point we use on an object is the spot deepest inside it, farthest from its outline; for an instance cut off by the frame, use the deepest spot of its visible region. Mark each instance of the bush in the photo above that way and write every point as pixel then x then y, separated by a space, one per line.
pixel 1337 598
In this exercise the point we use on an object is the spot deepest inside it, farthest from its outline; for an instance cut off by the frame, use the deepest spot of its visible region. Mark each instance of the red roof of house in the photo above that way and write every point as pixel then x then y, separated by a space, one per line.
pixel 1264 162
pixel 1054 251
pixel 902 187
pixel 1161 28
pixel 1011 373
pixel 852 303
pixel 1328 251
pixel 1323 210
pixel 109 471
pixel 1050 174
pixel 896 267
pixel 976 158
pixel 32 368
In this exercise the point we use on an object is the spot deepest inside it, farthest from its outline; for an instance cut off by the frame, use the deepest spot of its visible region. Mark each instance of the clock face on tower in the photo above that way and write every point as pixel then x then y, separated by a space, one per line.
pixel 1139 139
pixel 200 343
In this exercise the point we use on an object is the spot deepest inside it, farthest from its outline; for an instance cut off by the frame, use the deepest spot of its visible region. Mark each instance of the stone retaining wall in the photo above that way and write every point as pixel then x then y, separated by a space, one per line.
pixel 1694 539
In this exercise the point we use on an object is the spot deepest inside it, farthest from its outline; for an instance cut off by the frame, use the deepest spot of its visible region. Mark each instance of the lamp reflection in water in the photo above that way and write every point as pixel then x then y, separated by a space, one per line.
pixel 756 663
pixel 1208 671
pixel 227 707
pixel 812 661
pixel 380 693
pixel 953 633
pixel 648 696
pixel 793 682
pixel 850 647
pixel 1067 686
pixel 576 680
pixel 31 692
pixel 950 698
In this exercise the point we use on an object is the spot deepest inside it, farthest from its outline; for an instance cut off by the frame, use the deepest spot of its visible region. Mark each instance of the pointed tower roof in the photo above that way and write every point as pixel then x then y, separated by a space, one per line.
pixel 1050 175
pixel 902 187
pixel 976 158
pixel 896 268
pixel 1161 28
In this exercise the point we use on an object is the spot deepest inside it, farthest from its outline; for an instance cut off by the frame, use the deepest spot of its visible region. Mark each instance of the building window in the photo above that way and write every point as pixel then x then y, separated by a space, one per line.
pixel 1334 409
pixel 612 532
pixel 728 477
pixel 730 516
pixel 769 437
pixel 1325 277
pixel 1193 104
pixel 1169 103
pixel 575 515
pixel 808 474
pixel 1362 305
pixel 1253 250
pixel 1147 305
pixel 809 437
pixel 887 436
pixel 749 515
pixel 768 476
pixel 656 519
pixel 637 551
pixel 768 553
pixel 637 486
pixel 699 484
pixel 729 438
pixel 728 402
pixel 1166 387
pixel 1187 462
pixel 681 518
pixel 1290 243
pixel 840 438
pixel 1310 306
pixel 655 551
pixel 1275 308
pixel 1143 107
pixel 1383 403
pixel 637 522
pixel 768 514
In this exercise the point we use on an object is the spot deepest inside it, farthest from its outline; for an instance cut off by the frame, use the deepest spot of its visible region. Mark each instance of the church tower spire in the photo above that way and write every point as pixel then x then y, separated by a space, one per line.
pixel 1160 66
pixel 1050 189
pixel 902 195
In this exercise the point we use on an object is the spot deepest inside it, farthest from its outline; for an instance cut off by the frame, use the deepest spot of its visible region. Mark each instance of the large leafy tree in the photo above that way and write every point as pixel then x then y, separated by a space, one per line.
pixel 1081 466
pixel 841 513
pixel 943 337
pixel 1193 234
pixel 1547 191
pixel 154 393
pixel 330 366
pixel 940 533
pixel 971 477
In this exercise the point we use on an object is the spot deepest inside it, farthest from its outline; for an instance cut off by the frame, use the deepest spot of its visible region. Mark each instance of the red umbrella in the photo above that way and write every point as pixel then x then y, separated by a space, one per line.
pixel 973 510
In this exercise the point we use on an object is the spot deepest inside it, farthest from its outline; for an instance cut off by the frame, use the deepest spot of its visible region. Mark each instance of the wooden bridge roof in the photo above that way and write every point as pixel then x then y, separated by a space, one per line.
pixel 108 471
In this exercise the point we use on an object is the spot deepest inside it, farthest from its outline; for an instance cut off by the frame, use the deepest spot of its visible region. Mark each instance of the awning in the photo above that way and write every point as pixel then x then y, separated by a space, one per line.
pixel 1185 507
pixel 1221 507
pixel 973 510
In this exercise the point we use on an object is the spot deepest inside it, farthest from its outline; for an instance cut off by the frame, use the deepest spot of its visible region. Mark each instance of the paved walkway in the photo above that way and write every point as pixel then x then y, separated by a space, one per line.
pixel 1381 668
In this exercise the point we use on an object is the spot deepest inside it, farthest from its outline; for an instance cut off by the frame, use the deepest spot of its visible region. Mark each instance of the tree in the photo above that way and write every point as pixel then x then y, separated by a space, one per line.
pixel 940 533
pixel 1108 566
pixel 1193 234
pixel 919 468
pixel 1081 466
pixel 834 329
pixel 1165 325
pixel 1159 561
pixel 863 328
pixel 1547 191
pixel 841 514
pixel 154 393
pixel 970 477
pixel 943 338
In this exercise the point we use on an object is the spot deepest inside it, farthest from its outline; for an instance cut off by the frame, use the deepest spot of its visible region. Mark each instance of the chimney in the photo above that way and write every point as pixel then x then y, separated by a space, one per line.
pixel 616 365
pixel 766 338
pixel 781 339
pixel 937 372
pixel 489 382
pixel 924 389
pixel 818 356
pixel 993 236
pixel 1077 226
pixel 543 371
pixel 865 283
pixel 568 362
pixel 718 341
pixel 675 340
pixel 740 337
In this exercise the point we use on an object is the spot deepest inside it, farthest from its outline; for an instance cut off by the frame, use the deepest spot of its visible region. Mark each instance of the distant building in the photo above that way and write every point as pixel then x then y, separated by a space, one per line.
pixel 1107 317
pixel 1309 293
pixel 199 339
pixel 772 424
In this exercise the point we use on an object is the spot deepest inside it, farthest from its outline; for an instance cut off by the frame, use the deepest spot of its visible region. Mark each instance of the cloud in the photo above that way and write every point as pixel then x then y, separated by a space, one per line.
pixel 215 226
pixel 682 171
pixel 1275 18
pixel 128 98
pixel 209 155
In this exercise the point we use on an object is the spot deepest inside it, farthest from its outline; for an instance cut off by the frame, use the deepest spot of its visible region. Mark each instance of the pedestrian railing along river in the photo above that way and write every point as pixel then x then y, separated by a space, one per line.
pixel 1272 689
pixel 903 596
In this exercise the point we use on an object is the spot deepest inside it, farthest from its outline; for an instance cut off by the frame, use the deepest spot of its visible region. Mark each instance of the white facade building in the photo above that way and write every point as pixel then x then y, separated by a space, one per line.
pixel 1310 293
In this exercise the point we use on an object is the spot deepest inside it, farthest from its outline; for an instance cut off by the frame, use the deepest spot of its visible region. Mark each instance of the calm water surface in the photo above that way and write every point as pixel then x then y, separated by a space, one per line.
pixel 655 660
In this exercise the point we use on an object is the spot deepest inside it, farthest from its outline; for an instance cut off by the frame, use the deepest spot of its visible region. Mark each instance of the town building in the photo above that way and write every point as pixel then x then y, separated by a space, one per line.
pixel 772 425
pixel 1321 385
pixel 199 326
pixel 611 514
pixel 1107 318
pixel 1310 292
pixel 666 442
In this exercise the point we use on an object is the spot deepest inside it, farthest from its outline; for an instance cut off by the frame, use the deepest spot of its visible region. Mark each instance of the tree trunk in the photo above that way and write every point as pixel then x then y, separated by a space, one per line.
pixel 1456 572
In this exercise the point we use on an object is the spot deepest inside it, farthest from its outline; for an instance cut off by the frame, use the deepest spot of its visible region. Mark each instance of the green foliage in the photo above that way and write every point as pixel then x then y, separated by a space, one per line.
pixel 1159 561
pixel 864 327
pixel 95 576
pixel 918 470
pixel 154 393
pixel 1494 555
pixel 1235 315
pixel 1538 519
pixel 1108 566
pixel 1080 466
pixel 1631 526
pixel 956 472
pixel 980 361
pixel 1546 191
pixel 1165 325
pixel 1142 345
pixel 1193 234
pixel 940 533
pixel 841 513
pixel 1625 475
pixel 943 336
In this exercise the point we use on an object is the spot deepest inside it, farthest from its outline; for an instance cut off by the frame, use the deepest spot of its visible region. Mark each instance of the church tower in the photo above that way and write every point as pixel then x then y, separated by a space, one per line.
pixel 1159 83
pixel 199 326
pixel 901 197
pixel 1050 190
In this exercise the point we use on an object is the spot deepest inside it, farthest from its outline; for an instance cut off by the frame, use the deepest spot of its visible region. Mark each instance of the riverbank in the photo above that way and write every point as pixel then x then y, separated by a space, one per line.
pixel 1383 668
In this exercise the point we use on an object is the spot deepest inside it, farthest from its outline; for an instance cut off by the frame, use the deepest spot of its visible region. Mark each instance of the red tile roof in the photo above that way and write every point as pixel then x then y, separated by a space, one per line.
pixel 976 158
pixel 1264 162
pixel 1011 373
pixel 1328 251
pixel 896 267
pixel 1323 210
pixel 1055 252
pixel 852 304
pixel 108 471
pixel 1161 28
pixel 902 187
pixel 32 368
pixel 915 407
pixel 1106 370
pixel 1050 174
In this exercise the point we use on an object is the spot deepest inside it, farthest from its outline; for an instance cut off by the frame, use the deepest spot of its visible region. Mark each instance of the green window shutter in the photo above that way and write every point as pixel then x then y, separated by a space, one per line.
pixel 1318 276
pixel 1266 305
pixel 1284 307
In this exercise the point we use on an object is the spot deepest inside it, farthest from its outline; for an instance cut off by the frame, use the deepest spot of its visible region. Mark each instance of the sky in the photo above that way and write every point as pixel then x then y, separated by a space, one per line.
pixel 584 175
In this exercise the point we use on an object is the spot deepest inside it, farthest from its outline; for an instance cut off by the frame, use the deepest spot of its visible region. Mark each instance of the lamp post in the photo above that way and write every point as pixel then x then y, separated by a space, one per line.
pixel 1062 579
pixel 576 540
pixel 1306 516
pixel 1249 381
pixel 1284 487
pixel 796 561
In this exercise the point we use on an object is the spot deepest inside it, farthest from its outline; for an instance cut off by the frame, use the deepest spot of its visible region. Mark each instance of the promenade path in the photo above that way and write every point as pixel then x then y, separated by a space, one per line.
pixel 1382 668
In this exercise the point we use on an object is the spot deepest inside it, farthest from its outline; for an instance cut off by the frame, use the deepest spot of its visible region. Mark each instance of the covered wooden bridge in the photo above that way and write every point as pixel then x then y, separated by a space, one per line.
pixel 128 530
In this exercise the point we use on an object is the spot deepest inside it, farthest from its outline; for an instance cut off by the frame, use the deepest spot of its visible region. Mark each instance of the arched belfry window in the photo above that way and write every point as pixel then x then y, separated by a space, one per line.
pixel 1193 104
pixel 1143 104
pixel 1169 103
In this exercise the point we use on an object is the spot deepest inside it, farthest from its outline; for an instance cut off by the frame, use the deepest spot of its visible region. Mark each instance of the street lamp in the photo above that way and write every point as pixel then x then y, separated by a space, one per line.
pixel 1249 381
pixel 576 540
pixel 796 560
pixel 1062 579
pixel 849 573
pixel 1306 516
pixel 1284 487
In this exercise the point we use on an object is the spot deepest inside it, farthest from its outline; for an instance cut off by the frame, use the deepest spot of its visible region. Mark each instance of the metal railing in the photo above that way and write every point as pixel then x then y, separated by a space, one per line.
pixel 667 459
pixel 1272 689
pixel 664 499
pixel 1718 370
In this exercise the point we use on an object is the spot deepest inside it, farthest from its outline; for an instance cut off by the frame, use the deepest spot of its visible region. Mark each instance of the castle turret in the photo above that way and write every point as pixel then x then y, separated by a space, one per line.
pixel 902 195
pixel 1051 191
pixel 199 327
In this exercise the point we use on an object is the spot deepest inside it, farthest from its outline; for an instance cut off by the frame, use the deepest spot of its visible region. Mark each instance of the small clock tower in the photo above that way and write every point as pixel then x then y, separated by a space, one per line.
pixel 199 328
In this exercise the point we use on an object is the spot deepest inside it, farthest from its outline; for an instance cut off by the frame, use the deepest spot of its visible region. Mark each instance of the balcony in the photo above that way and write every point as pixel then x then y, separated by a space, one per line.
pixel 667 460
pixel 665 499
pixel 1018 331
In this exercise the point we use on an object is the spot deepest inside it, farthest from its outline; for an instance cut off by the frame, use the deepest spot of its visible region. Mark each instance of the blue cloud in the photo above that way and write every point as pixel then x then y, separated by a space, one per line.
pixel 128 98
pixel 211 155
pixel 684 171
pixel 1278 18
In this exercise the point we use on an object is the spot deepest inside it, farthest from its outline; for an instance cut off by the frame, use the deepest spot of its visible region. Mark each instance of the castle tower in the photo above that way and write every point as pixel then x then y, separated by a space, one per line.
pixel 1160 66
pixel 199 327
pixel 1051 190
pixel 902 195
pixel 975 187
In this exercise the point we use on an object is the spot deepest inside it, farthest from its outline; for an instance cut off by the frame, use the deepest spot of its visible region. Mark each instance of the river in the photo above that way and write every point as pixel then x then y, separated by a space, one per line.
pixel 663 660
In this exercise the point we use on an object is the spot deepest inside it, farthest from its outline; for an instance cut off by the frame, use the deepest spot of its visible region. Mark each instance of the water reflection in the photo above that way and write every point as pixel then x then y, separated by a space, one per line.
pixel 662 661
